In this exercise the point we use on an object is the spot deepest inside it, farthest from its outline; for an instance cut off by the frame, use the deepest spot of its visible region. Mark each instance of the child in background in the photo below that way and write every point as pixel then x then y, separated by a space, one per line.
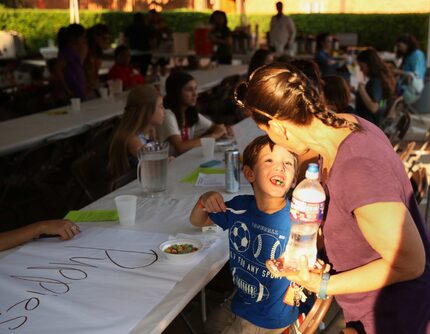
pixel 259 234
pixel 123 70
pixel 62 227
pixel 144 110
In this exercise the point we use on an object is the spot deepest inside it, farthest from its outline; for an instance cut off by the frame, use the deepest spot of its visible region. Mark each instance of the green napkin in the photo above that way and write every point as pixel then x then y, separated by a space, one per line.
pixel 192 177
pixel 92 215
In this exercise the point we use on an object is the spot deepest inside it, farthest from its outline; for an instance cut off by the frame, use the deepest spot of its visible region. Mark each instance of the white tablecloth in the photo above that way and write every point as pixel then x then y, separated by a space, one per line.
pixel 24 132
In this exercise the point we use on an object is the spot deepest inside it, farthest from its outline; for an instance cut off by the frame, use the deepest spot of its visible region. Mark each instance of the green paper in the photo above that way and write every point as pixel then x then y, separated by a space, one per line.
pixel 192 178
pixel 92 215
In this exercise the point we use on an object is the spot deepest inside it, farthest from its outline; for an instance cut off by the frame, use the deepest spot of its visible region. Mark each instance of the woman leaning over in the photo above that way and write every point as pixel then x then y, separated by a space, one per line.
pixel 143 111
pixel 184 125
pixel 374 234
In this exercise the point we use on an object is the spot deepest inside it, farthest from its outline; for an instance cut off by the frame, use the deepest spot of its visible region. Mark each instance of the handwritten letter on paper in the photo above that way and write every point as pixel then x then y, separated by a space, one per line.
pixel 103 281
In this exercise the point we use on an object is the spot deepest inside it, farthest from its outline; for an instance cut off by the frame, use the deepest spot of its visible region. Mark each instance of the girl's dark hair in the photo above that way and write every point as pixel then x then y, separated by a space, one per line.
pixel 69 34
pixel 378 69
pixel 175 82
pixel 95 31
pixel 215 14
pixel 258 59
pixel 336 92
pixel 284 92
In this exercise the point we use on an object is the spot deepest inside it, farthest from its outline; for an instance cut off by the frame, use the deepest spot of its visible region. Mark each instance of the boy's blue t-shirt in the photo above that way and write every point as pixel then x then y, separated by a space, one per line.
pixel 255 237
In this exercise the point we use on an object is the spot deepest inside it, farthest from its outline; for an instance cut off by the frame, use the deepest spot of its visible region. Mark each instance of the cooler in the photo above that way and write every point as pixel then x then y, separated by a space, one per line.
pixel 202 44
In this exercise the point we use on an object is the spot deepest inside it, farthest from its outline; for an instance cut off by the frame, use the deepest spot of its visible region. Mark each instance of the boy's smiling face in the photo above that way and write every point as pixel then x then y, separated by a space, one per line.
pixel 273 173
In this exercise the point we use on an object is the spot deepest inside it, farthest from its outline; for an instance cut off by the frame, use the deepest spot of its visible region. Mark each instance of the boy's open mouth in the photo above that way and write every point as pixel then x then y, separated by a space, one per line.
pixel 277 180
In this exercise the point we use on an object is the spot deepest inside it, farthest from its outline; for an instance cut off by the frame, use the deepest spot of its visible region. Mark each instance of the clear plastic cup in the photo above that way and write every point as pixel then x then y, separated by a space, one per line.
pixel 208 146
pixel 76 104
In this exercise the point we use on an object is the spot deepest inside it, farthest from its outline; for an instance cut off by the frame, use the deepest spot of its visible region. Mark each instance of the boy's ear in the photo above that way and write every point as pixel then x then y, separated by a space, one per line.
pixel 249 174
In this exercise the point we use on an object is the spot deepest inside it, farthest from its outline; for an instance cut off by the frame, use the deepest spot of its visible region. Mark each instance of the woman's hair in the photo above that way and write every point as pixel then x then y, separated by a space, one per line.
pixel 378 69
pixel 175 82
pixel 212 18
pixel 311 70
pixel 140 106
pixel 95 31
pixel 336 92
pixel 69 34
pixel 410 41
pixel 258 59
pixel 284 92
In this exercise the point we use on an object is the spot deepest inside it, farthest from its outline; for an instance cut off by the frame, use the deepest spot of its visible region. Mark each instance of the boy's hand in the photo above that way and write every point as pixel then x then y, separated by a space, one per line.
pixel 213 202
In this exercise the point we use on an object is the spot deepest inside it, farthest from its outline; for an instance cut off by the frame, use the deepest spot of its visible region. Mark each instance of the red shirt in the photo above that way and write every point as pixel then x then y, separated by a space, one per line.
pixel 130 76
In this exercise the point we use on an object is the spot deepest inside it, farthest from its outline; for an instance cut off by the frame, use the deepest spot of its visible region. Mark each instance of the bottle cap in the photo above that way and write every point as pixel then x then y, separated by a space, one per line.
pixel 312 172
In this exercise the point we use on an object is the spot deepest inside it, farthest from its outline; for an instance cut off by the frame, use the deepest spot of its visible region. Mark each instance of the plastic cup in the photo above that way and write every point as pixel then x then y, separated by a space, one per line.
pixel 208 146
pixel 126 206
pixel 104 93
pixel 76 104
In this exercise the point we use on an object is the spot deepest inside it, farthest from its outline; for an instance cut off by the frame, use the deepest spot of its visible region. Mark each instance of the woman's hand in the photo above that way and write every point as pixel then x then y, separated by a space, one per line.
pixel 309 279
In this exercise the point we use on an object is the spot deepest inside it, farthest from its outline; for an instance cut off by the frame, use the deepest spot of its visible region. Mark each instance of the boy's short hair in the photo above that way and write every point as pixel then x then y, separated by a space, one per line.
pixel 253 149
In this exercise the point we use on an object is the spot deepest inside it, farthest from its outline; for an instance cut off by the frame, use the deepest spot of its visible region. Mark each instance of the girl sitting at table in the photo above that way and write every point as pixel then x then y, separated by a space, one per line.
pixel 337 94
pixel 183 125
pixel 372 96
pixel 143 111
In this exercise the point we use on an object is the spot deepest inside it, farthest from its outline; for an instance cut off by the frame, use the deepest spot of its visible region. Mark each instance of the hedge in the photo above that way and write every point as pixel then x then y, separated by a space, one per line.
pixel 378 30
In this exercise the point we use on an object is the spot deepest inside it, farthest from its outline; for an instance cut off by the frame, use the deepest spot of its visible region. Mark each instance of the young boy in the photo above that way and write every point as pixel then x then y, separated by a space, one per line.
pixel 258 234
pixel 123 70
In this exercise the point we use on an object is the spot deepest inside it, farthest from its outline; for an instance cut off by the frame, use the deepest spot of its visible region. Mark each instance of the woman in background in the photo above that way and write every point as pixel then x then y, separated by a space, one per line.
pixel 220 35
pixel 372 96
pixel 183 125
pixel 143 111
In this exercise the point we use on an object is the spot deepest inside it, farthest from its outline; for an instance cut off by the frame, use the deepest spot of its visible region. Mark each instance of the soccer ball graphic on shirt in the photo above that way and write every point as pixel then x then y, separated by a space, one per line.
pixel 265 247
pixel 239 236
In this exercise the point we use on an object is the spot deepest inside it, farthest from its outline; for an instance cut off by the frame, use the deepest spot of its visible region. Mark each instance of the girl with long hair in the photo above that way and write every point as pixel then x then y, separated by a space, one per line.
pixel 184 125
pixel 143 111
pixel 372 96
pixel 374 234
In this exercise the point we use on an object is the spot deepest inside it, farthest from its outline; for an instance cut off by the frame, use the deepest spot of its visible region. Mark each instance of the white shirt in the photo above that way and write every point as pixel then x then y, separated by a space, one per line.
pixel 170 127
pixel 282 30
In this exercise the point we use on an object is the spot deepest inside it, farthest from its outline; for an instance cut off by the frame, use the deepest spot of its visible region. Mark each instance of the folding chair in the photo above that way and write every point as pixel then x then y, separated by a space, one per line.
pixel 419 183
pixel 315 316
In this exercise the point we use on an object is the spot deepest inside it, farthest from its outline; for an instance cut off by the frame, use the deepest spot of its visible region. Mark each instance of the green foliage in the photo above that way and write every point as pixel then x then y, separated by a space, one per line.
pixel 378 30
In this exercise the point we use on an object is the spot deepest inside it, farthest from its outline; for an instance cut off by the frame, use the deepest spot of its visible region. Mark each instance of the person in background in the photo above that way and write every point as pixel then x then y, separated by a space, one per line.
pixel 98 37
pixel 137 38
pixel 282 32
pixel 271 170
pixel 259 58
pixel 374 234
pixel 372 96
pixel 123 70
pixel 412 68
pixel 143 112
pixel 337 94
pixel 161 40
pixel 323 58
pixel 220 36
pixel 64 228
pixel 69 71
pixel 183 125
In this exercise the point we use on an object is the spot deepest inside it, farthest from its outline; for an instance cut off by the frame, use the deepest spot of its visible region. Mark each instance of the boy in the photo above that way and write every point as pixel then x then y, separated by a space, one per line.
pixel 259 234
pixel 123 70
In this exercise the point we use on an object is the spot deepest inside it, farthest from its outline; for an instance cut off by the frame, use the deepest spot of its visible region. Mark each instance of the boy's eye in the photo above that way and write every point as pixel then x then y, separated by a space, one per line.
pixel 288 163
pixel 268 160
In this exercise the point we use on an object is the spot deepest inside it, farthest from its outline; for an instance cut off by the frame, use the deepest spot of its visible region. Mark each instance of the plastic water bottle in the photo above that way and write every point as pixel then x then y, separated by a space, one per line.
pixel 307 208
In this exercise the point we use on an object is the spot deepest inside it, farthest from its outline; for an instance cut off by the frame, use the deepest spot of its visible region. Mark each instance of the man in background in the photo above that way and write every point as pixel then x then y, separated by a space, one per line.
pixel 282 32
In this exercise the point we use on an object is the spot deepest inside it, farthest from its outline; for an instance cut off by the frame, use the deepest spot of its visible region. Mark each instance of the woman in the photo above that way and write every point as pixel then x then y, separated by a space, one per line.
pixel 259 58
pixel 323 56
pixel 143 111
pixel 184 125
pixel 372 96
pixel 412 68
pixel 69 73
pixel 374 234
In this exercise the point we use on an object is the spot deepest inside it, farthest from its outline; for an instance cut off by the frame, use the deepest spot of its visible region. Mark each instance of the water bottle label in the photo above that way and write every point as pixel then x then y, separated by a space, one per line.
pixel 306 212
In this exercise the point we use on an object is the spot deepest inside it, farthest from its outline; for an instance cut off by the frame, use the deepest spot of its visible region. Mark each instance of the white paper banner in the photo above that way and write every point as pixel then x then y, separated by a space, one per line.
pixel 102 281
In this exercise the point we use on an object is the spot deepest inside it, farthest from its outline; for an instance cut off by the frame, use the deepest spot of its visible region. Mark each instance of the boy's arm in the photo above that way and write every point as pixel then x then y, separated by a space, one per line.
pixel 211 201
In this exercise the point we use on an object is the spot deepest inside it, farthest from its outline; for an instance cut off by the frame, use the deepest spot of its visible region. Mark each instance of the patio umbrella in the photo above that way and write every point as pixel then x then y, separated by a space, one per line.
pixel 74 11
